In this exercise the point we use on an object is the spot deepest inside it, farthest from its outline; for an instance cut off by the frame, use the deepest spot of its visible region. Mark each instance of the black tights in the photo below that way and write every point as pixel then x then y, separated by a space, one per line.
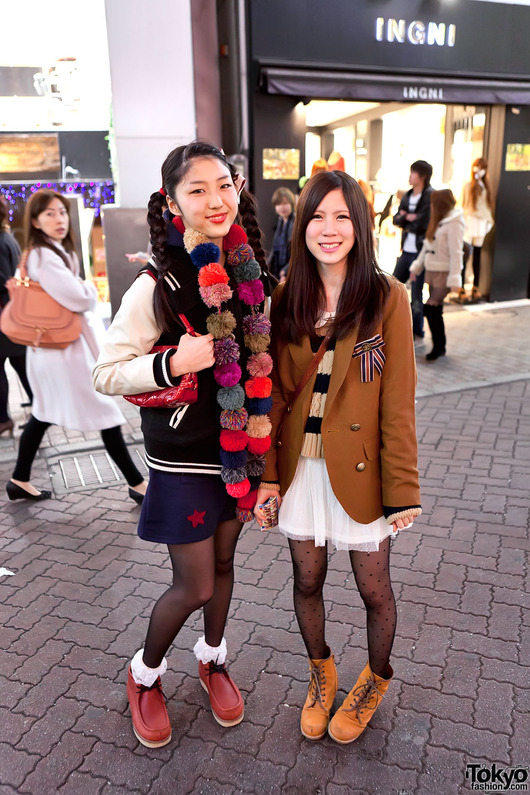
pixel 112 439
pixel 372 575
pixel 203 576
pixel 18 363
pixel 477 251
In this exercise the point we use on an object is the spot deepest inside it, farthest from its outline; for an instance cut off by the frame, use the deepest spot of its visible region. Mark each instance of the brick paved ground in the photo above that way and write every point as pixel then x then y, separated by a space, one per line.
pixel 79 602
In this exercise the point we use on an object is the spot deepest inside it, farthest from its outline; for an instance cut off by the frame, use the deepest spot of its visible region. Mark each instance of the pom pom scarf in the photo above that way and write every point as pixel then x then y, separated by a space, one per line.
pixel 245 432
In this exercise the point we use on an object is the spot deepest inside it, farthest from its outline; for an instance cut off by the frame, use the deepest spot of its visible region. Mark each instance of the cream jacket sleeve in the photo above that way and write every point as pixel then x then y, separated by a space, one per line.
pixel 125 366
pixel 419 263
pixel 455 245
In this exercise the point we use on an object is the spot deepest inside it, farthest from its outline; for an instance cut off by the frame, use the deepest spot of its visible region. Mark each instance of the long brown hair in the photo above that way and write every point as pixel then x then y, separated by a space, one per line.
pixel 365 287
pixel 476 190
pixel 4 212
pixel 35 238
pixel 442 202
pixel 174 169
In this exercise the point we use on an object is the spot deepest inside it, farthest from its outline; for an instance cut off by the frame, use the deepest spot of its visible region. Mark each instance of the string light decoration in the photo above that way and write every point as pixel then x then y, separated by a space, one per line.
pixel 94 192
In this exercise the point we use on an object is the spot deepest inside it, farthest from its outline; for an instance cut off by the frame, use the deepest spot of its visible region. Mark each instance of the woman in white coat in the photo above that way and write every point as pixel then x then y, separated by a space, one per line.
pixel 62 379
pixel 476 203
pixel 441 257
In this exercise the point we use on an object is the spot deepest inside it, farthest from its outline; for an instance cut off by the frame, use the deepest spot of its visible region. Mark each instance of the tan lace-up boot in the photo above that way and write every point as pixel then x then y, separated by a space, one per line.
pixel 322 691
pixel 357 709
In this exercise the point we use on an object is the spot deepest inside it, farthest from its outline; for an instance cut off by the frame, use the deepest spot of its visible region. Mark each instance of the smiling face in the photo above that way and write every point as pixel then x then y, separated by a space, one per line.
pixel 329 235
pixel 206 198
pixel 53 221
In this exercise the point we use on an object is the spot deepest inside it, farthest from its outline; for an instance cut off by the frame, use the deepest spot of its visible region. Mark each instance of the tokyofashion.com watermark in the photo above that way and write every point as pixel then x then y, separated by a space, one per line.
pixel 494 778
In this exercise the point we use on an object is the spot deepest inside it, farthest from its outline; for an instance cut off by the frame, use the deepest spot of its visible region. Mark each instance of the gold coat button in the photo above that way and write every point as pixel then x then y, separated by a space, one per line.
pixel 355 427
pixel 361 467
pixel 278 443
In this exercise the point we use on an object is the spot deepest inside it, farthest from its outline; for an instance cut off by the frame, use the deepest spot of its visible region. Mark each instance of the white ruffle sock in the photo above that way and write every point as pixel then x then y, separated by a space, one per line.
pixel 143 675
pixel 206 654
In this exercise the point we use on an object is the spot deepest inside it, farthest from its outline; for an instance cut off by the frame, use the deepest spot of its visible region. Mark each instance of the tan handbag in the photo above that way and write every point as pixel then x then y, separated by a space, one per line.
pixel 32 317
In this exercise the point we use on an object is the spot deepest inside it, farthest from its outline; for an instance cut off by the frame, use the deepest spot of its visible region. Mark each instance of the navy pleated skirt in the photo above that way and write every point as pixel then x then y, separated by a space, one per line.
pixel 182 509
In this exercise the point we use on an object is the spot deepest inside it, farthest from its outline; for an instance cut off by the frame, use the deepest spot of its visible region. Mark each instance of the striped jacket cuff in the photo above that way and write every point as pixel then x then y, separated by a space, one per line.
pixel 162 370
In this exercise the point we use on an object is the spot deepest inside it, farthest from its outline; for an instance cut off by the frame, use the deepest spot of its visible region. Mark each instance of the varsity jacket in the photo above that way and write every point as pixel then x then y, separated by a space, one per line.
pixel 185 439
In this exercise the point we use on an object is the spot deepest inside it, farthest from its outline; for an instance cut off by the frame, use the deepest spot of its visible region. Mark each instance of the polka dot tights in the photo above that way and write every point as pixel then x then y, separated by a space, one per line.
pixel 372 576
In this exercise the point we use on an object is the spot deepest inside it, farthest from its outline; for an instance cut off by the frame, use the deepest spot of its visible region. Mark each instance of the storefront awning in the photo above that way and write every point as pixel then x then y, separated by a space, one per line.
pixel 400 88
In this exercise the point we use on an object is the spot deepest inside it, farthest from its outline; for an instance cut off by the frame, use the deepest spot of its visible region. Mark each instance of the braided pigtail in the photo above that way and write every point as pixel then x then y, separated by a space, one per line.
pixel 158 232
pixel 248 208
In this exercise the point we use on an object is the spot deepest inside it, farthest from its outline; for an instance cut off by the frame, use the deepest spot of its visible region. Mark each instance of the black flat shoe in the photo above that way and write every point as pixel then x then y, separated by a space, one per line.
pixel 15 492
pixel 136 496
pixel 433 355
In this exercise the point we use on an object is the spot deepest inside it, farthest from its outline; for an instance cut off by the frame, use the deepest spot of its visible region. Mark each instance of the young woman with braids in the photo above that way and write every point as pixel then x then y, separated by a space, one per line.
pixel 343 456
pixel 205 459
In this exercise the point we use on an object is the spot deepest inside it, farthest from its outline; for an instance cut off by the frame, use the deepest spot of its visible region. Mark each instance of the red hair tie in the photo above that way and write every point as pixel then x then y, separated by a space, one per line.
pixel 162 191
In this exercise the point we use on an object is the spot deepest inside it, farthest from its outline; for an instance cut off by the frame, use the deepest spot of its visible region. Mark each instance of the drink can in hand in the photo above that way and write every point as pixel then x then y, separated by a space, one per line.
pixel 269 509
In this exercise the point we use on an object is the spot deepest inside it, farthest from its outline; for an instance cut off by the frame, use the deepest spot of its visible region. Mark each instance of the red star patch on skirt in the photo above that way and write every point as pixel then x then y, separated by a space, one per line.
pixel 197 517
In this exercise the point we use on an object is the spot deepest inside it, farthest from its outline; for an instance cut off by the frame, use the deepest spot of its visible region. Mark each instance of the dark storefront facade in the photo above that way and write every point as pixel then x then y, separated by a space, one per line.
pixel 460 54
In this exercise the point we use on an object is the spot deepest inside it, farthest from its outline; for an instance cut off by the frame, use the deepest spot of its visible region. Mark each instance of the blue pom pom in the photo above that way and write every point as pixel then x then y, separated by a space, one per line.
pixel 231 397
pixel 233 475
pixel 259 405
pixel 205 253
pixel 233 460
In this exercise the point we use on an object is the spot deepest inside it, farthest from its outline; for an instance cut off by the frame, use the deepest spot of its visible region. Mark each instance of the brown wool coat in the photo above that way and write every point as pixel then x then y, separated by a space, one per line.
pixel 368 429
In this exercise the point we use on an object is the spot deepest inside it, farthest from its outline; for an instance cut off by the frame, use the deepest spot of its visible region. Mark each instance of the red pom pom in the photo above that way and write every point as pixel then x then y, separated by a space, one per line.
pixel 213 274
pixel 233 440
pixel 238 489
pixel 258 387
pixel 178 223
pixel 258 446
pixel 248 501
pixel 235 237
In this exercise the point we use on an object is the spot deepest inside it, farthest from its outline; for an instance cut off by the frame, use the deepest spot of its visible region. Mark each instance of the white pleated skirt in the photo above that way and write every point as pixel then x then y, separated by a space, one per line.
pixel 311 512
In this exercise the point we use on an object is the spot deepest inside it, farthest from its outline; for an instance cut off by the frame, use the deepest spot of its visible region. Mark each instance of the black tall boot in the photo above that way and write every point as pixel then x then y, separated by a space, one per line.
pixel 435 319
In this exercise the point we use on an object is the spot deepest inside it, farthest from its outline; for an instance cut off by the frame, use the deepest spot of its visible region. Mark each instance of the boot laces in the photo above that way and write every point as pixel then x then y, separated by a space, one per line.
pixel 317 684
pixel 362 695
pixel 156 686
pixel 216 668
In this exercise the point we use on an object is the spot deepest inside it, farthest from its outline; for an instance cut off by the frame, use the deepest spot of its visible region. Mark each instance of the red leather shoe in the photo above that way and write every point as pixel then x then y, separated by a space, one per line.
pixel 225 699
pixel 149 714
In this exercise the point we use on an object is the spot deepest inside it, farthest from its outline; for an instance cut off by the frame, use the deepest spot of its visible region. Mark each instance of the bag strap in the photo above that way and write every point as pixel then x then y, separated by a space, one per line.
pixel 22 264
pixel 182 317
pixel 311 367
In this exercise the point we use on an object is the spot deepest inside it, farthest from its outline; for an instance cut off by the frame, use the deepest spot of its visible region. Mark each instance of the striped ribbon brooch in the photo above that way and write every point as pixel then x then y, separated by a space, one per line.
pixel 372 357
pixel 245 426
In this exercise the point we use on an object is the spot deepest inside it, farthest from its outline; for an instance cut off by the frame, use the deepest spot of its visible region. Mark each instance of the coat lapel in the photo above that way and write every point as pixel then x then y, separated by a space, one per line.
pixel 341 363
pixel 301 355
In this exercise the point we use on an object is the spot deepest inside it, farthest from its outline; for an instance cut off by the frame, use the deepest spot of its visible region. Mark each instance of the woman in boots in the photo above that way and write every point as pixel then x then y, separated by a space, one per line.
pixel 343 454
pixel 441 258
pixel 476 203
pixel 205 458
